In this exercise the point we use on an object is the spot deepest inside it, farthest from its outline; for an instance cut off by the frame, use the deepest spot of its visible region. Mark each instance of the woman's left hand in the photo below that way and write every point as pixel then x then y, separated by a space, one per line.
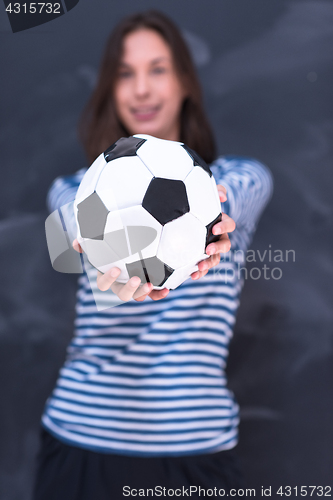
pixel 227 225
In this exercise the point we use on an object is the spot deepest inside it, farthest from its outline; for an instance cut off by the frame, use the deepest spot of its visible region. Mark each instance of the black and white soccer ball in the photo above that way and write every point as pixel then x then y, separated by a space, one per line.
pixel 147 206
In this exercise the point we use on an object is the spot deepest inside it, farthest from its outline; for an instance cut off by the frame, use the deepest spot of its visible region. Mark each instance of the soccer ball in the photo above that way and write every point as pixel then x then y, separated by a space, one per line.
pixel 147 206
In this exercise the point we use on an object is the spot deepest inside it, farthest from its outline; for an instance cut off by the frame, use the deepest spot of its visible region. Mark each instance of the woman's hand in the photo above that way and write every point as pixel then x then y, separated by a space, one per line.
pixel 227 225
pixel 127 291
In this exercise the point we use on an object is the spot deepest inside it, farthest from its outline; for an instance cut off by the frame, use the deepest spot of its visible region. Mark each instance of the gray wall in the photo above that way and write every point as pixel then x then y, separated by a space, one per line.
pixel 266 69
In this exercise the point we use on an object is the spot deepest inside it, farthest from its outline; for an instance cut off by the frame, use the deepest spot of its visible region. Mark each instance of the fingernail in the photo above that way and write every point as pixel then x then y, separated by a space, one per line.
pixel 114 273
pixel 211 250
pixel 217 230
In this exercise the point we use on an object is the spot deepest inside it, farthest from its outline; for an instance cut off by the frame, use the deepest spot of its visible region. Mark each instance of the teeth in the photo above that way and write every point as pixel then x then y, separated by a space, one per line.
pixel 144 110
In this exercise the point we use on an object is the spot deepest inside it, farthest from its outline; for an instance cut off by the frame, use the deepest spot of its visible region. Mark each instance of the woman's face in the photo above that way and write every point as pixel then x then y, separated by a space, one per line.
pixel 148 92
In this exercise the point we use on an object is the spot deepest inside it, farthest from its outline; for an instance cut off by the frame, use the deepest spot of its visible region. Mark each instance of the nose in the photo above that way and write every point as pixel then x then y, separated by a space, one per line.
pixel 141 85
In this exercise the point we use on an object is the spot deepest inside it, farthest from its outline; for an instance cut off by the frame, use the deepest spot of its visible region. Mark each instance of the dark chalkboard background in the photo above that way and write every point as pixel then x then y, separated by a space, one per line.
pixel 266 70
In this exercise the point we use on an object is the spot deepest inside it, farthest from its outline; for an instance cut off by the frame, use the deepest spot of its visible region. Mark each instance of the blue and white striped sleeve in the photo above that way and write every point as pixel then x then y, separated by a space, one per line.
pixel 63 190
pixel 60 201
pixel 249 186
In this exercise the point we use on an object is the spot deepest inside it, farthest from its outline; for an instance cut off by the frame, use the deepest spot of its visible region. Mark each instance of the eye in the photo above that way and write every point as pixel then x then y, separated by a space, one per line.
pixel 124 73
pixel 158 70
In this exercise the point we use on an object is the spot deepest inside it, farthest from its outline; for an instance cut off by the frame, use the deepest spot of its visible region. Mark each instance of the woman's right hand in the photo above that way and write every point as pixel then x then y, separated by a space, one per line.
pixel 127 291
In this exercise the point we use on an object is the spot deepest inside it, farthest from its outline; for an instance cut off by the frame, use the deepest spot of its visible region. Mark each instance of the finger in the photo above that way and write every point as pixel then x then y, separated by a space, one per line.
pixel 227 225
pixel 222 193
pixel 159 294
pixel 199 274
pixel 205 265
pixel 223 245
pixel 222 188
pixel 142 292
pixel 77 247
pixel 104 281
pixel 125 292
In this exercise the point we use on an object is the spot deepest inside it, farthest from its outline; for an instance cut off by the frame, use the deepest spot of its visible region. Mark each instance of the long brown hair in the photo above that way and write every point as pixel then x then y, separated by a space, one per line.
pixel 100 126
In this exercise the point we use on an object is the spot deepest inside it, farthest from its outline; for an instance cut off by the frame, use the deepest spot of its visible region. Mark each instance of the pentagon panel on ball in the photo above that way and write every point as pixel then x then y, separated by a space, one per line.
pixel 166 199
pixel 197 160
pixel 151 270
pixel 91 216
pixel 125 146
pixel 147 206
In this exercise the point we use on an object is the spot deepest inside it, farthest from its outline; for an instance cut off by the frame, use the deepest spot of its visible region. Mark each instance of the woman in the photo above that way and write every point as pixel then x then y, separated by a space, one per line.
pixel 142 403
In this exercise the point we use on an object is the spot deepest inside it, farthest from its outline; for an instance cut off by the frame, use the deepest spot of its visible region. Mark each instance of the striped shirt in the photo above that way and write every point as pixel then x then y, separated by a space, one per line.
pixel 148 378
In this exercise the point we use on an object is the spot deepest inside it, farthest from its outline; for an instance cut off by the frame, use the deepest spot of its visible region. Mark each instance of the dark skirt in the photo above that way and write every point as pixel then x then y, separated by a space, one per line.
pixel 70 473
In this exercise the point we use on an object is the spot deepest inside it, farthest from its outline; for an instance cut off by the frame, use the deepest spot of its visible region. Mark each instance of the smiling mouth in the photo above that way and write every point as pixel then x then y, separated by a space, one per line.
pixel 145 112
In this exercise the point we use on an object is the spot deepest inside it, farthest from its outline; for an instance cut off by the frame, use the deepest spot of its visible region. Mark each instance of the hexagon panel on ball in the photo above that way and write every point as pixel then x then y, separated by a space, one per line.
pixel 89 180
pixel 99 254
pixel 141 231
pixel 128 178
pixel 165 158
pixel 182 241
pixel 202 195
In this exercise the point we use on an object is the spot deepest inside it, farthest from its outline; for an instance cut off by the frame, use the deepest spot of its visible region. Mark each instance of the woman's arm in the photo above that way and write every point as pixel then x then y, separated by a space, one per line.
pixel 249 185
pixel 63 190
